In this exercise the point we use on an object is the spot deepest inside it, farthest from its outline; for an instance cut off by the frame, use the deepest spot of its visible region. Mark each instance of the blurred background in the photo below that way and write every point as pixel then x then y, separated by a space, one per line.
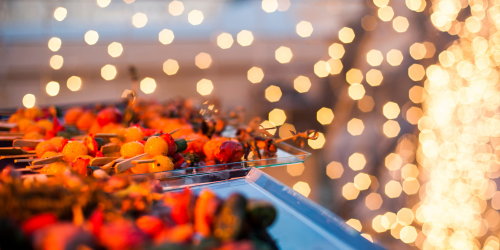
pixel 404 92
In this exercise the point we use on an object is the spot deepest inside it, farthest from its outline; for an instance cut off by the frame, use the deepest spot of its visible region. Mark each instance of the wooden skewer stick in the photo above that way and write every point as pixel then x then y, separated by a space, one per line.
pixel 110 148
pixel 106 135
pixel 26 143
pixel 3 133
pixel 303 135
pixel 25 170
pixel 24 160
pixel 9 138
pixel 190 140
pixel 14 151
pixel 100 161
pixel 17 156
pixel 127 163
pixel 46 160
pixel 174 131
pixel 107 167
pixel 8 125
pixel 143 161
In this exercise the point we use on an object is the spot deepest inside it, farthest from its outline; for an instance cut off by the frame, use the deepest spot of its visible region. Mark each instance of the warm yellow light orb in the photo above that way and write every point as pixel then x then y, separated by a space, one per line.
pixel 349 191
pixel 108 72
pixel 271 128
pixel 413 115
pixel 391 110
pixel 91 37
pixel 283 54
pixel 29 101
pixel 374 57
pixel 295 169
pixel 302 188
pixel 55 44
pixel 74 83
pixel 408 234
pixel 170 67
pixel 325 116
pixel 391 128
pixel 166 36
pixel 175 8
pixel 381 3
pixel 394 57
pixel 148 85
pixel 60 13
pixel 366 104
pixel 277 117
pixel 393 189
pixel 356 91
pixel 115 49
pixel 322 69
pixel 334 170
pixel 245 38
pixel 139 20
pixel 357 161
pixel 304 29
pixel 255 75
pixel 273 93
pixel 302 84
pixel 195 17
pixel 56 62
pixel 374 77
pixel 416 72
pixel 336 50
pixel 362 181
pixel 269 6
pixel 356 224
pixel 354 76
pixel 373 201
pixel 204 87
pixel 417 94
pixel 335 66
pixel 400 24
pixel 355 127
pixel 52 88
pixel 346 35
pixel 103 3
pixel 203 60
pixel 318 143
pixel 225 41
pixel 393 161
pixel 418 51
pixel 386 13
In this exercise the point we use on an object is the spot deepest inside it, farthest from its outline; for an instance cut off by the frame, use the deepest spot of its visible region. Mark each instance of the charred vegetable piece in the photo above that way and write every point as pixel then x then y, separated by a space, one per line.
pixel 229 222
pixel 230 151
pixel 261 214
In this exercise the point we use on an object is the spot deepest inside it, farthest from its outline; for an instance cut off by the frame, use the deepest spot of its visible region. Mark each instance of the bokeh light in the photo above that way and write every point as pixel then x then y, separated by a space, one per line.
pixel 393 189
pixel 225 41
pixel 269 6
pixel 418 51
pixel 391 110
pixel 417 94
pixel 60 13
pixel 322 69
pixel 91 37
pixel 175 8
pixel 369 23
pixel 148 85
pixel 356 224
pixel 374 77
pixel 108 72
pixel 386 13
pixel 394 57
pixel 271 128
pixel 29 101
pixel 325 116
pixel 335 66
pixel 416 72
pixel 355 126
pixel 74 83
pixel 400 24
pixel 357 161
pixel 103 3
pixel 334 170
pixel 354 76
pixel 304 29
pixel 362 181
pixel 203 60
pixel 373 201
pixel 366 104
pixel 302 84
pixel 295 169
pixel 195 17
pixel 336 50
pixel 318 143
pixel 349 191
pixel 52 88
pixel 393 161
pixel 356 91
pixel 374 57
pixel 255 75
pixel 413 115
pixel 170 67
pixel 54 44
pixel 166 36
pixel 302 187
pixel 283 54
pixel 245 38
pixel 346 35
pixel 381 3
pixel 204 87
pixel 115 49
pixel 56 62
pixel 273 93
pixel 139 20
pixel 277 117
pixel 391 128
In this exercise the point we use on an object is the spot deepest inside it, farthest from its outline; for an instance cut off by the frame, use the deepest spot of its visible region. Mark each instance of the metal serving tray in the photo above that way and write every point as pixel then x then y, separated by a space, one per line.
pixel 285 155
pixel 301 223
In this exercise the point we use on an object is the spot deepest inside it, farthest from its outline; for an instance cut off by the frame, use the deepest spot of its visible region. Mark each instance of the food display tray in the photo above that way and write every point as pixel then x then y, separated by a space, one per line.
pixel 300 224
pixel 285 155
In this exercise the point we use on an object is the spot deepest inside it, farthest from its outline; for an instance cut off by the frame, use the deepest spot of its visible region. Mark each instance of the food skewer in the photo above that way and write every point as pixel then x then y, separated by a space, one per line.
pixel 26 143
pixel 304 135
pixel 41 162
pixel 127 163
pixel 17 156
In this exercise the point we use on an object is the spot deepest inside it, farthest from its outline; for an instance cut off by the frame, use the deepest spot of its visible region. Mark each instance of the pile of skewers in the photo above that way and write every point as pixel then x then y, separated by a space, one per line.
pixel 143 137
